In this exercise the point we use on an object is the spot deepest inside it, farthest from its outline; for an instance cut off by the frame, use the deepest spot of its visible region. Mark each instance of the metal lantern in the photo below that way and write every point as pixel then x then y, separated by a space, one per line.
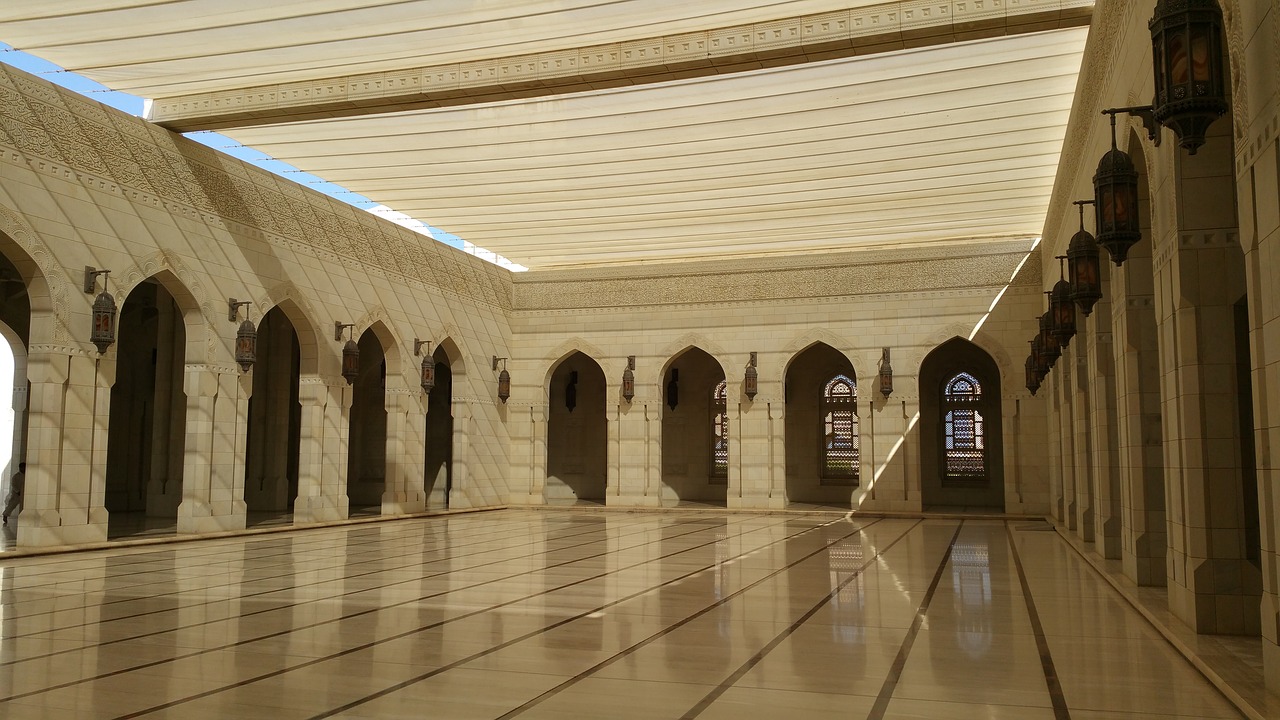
pixel 246 345
pixel 1115 194
pixel 1062 309
pixel 1082 266
pixel 103 330
pixel 504 379
pixel 1037 352
pixel 1033 375
pixel 629 379
pixel 428 364
pixel 246 335
pixel 1050 348
pixel 350 353
pixel 1186 52
pixel 886 374
pixel 751 379
pixel 673 389
pixel 104 321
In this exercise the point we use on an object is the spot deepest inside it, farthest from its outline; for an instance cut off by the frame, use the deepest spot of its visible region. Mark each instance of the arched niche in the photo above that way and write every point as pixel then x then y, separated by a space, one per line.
pixel 577 431
pixel 823 407
pixel 961 455
pixel 695 429
pixel 275 421
pixel 367 427
pixel 439 440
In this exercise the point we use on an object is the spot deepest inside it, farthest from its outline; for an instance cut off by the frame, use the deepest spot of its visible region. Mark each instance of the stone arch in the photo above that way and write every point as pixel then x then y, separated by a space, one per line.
pixel 376 320
pixel 453 351
pixel 957 331
pixel 795 350
pixel 564 350
pixel 695 443
pixel 576 392
pixel 195 312
pixel 687 342
pixel 301 314
pixel 46 290
pixel 940 487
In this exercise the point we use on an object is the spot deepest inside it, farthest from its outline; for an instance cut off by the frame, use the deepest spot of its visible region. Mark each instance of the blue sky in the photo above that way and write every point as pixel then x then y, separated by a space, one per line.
pixel 135 105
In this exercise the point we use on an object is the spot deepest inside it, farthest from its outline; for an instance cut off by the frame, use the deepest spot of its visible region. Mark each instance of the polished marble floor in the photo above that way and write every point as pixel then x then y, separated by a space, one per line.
pixel 570 614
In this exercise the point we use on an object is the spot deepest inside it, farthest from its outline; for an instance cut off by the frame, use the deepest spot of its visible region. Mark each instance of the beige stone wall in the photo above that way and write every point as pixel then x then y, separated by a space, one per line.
pixel 858 303
pixel 86 185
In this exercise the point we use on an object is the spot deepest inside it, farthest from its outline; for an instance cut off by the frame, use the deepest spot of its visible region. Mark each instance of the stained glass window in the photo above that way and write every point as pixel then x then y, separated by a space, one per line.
pixel 840 428
pixel 964 439
pixel 719 434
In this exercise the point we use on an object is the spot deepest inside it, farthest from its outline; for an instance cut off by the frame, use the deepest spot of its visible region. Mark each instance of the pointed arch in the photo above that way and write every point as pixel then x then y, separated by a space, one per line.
pixel 817 344
pixel 962 460
pixel 376 321
pixel 676 348
pixel 565 350
pixel 198 346
pixel 47 292
pixel 302 316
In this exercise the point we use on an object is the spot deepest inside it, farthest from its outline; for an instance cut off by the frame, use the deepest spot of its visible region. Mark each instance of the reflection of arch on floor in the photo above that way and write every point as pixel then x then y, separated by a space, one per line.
pixel 273 434
pixel 961 456
pixel 146 434
pixel 367 444
pixel 689 383
pixel 817 431
pixel 440 425
pixel 577 431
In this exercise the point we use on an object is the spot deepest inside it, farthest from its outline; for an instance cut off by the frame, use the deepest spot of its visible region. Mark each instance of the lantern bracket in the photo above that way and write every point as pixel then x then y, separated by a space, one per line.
pixel 417 346
pixel 338 327
pixel 631 362
pixel 496 360
pixel 90 279
pixel 1145 113
pixel 233 306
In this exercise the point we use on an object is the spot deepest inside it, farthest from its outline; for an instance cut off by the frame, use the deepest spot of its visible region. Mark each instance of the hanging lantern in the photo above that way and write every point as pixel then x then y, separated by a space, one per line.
pixel 504 380
pixel 104 321
pixel 102 331
pixel 751 379
pixel 1062 309
pixel 246 345
pixel 246 349
pixel 1186 53
pixel 629 379
pixel 350 361
pixel 428 364
pixel 886 374
pixel 1050 348
pixel 1082 266
pixel 1115 194
pixel 673 389
pixel 1033 375
pixel 1037 352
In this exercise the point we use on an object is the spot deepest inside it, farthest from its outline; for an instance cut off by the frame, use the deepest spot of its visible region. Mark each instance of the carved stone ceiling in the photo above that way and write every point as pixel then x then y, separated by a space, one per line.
pixel 562 133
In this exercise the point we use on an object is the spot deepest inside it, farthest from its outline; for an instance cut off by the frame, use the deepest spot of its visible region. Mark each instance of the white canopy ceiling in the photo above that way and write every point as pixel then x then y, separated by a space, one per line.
pixel 946 143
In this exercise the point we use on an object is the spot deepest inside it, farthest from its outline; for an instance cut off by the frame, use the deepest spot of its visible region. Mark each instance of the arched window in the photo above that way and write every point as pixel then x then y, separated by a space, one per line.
pixel 720 434
pixel 840 429
pixel 964 434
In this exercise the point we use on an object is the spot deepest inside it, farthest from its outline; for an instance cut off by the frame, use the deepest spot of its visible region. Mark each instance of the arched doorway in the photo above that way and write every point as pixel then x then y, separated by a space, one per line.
pixel 275 423
pixel 15 324
pixel 367 444
pixel 439 440
pixel 577 432
pixel 822 428
pixel 146 436
pixel 962 460
pixel 695 430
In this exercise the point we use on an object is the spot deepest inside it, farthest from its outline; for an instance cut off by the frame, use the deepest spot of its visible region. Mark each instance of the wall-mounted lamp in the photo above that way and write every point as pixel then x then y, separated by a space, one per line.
pixel 350 352
pixel 504 379
pixel 886 374
pixel 1050 348
pixel 1061 307
pixel 1033 371
pixel 751 379
pixel 1115 194
pixel 1190 80
pixel 246 336
pixel 673 389
pixel 428 364
pixel 1082 266
pixel 103 332
pixel 629 379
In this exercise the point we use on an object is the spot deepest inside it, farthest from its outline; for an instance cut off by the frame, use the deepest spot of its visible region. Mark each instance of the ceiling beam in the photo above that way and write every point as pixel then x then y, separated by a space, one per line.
pixel 861 31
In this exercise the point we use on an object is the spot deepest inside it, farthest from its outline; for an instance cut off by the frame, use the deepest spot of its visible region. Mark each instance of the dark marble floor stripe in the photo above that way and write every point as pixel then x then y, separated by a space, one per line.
pixel 900 662
pixel 1060 711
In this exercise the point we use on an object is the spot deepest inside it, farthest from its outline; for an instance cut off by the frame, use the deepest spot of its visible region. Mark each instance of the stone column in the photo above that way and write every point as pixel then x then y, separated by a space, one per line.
pixel 459 496
pixel 1199 273
pixel 1076 363
pixel 631 429
pixel 1095 339
pixel 322 456
pixel 70 403
pixel 750 477
pixel 777 454
pixel 1057 484
pixel 404 490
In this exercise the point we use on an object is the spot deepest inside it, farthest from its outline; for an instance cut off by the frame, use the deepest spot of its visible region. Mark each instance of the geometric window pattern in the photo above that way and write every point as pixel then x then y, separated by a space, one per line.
pixel 840 429
pixel 719 434
pixel 964 440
